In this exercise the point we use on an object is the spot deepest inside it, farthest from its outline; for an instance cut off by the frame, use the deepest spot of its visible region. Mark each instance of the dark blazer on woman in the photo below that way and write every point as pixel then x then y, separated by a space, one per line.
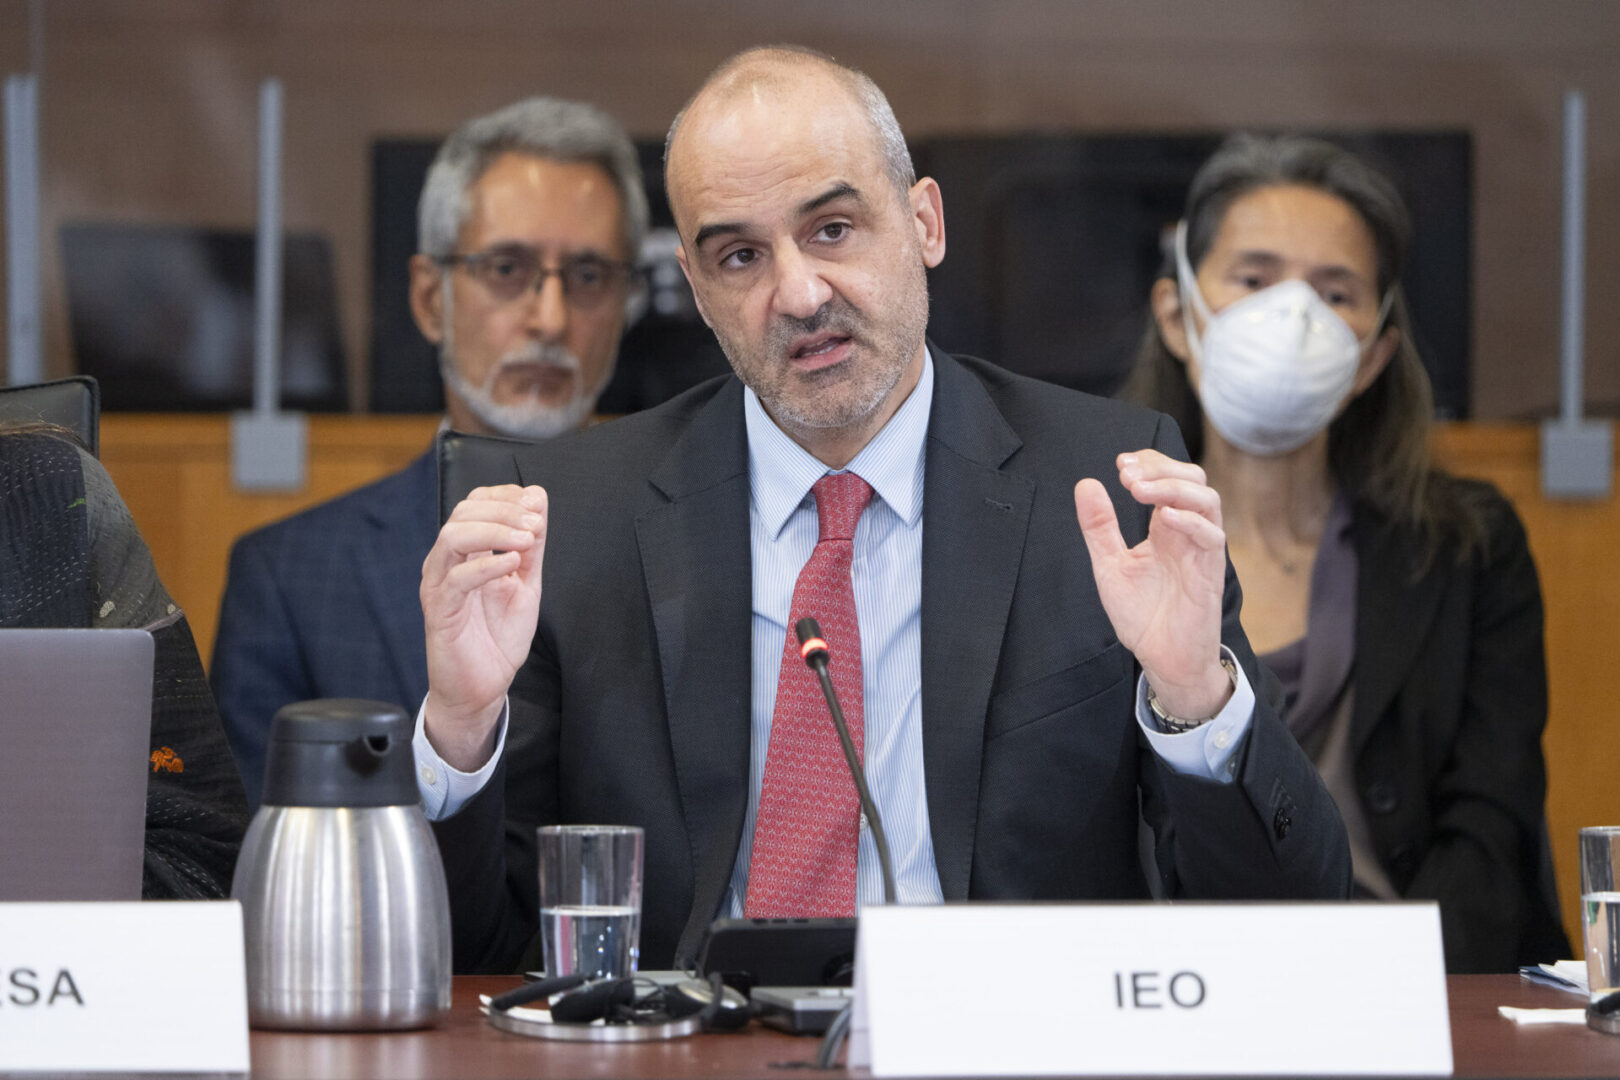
pixel 1450 701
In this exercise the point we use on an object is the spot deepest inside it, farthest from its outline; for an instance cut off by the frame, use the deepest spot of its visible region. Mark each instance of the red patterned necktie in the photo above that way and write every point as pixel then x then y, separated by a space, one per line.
pixel 803 862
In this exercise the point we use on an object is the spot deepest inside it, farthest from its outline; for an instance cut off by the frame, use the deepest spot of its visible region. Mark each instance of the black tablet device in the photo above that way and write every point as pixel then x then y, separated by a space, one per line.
pixel 780 952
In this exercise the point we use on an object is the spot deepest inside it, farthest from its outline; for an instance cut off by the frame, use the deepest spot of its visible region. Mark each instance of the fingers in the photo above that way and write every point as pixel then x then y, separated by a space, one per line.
pixel 522 509
pixel 531 559
pixel 1184 503
pixel 508 519
pixel 470 537
pixel 1164 482
pixel 1098 523
pixel 1152 465
pixel 465 577
pixel 1197 528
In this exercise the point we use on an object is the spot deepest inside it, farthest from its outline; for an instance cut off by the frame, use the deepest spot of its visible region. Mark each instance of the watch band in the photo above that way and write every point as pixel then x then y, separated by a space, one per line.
pixel 1175 725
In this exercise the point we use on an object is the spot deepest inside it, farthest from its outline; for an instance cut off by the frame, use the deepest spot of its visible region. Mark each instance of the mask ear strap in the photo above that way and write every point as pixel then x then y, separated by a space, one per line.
pixel 1188 284
pixel 1383 315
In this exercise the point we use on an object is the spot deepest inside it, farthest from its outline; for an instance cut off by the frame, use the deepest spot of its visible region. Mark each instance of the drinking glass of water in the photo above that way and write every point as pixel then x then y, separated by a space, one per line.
pixel 590 899
pixel 1600 920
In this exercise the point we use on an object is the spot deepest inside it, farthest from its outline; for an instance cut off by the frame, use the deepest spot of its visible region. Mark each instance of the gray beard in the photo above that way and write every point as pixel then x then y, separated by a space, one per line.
pixel 525 420
pixel 530 420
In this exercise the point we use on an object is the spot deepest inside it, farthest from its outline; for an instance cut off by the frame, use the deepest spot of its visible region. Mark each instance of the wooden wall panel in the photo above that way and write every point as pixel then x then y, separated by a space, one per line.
pixel 174 472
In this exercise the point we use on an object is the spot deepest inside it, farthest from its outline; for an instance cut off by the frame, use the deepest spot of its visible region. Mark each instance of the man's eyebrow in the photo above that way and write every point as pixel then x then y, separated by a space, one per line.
pixel 832 194
pixel 709 232
pixel 726 228
pixel 517 249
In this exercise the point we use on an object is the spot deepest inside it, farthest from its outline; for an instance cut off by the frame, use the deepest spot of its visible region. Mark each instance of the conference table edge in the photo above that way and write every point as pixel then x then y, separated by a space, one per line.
pixel 1484 1044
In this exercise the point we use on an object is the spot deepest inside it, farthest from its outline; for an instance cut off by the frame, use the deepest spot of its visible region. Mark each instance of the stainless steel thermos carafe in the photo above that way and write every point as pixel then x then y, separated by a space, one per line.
pixel 346 914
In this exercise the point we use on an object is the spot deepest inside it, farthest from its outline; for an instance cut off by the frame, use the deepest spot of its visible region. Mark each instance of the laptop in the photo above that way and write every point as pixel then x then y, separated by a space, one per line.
pixel 75 724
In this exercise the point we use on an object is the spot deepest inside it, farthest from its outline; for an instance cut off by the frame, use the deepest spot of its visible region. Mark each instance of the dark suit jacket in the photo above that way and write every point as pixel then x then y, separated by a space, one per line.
pixel 326 604
pixel 634 705
pixel 1450 701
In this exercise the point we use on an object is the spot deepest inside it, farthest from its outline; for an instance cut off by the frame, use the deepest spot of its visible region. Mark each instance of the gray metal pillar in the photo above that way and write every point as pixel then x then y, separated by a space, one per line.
pixel 1577 455
pixel 268 446
pixel 24 349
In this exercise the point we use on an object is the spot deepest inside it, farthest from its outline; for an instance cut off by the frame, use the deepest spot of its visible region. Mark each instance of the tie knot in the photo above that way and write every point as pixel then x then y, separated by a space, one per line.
pixel 840 498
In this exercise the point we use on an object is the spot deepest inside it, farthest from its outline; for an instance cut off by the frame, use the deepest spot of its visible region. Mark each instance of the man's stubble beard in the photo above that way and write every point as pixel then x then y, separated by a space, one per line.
pixel 794 400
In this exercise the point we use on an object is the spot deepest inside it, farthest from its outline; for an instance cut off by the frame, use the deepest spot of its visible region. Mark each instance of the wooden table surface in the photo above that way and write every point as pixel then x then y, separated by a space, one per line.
pixel 1484 1045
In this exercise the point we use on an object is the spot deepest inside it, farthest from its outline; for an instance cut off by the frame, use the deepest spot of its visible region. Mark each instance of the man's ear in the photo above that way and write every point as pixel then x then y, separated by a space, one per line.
pixel 697 295
pixel 1376 359
pixel 427 298
pixel 928 217
pixel 1166 302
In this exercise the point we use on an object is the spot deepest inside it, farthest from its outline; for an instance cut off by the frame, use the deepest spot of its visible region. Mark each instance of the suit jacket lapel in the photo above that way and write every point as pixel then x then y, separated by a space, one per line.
pixel 975 517
pixel 389 564
pixel 1393 614
pixel 695 557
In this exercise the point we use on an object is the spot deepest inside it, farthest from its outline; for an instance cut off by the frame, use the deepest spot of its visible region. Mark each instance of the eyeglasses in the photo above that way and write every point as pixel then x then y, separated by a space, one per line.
pixel 512 271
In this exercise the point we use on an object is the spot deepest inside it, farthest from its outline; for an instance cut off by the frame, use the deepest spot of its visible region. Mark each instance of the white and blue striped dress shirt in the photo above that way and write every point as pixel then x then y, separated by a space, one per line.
pixel 887 578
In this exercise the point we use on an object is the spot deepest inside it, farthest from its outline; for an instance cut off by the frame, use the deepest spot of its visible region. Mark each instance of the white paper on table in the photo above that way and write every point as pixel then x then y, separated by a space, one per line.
pixel 1542 1016
pixel 1564 975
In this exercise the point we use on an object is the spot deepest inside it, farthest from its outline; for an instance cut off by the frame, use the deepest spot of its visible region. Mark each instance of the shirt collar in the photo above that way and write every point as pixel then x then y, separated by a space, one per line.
pixel 781 472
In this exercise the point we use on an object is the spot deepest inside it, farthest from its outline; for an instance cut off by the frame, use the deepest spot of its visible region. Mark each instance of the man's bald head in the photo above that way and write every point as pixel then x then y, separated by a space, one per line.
pixel 778 69
pixel 806 241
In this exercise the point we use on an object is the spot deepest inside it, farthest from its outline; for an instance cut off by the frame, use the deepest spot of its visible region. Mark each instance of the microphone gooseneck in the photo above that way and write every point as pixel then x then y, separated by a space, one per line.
pixel 814 650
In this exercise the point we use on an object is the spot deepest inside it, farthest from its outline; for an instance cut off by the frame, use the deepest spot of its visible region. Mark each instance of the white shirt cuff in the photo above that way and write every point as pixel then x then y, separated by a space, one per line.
pixel 1210 749
pixel 445 790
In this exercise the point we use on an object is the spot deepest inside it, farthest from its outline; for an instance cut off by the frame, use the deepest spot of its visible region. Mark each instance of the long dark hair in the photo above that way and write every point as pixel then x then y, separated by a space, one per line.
pixel 1378 448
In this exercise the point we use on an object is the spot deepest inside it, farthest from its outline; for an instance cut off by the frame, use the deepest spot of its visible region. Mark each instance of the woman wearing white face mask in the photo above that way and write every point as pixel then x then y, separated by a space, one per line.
pixel 1398 607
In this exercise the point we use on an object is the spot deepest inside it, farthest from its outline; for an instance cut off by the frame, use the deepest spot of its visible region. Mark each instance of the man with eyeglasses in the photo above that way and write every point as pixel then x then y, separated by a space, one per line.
pixel 529 225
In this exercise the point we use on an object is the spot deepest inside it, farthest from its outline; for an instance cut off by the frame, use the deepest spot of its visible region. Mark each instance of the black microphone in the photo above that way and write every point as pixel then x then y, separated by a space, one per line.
pixel 814 650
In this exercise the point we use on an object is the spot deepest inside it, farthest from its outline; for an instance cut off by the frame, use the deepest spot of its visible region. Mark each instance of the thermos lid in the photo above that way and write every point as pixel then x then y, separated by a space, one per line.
pixel 340 752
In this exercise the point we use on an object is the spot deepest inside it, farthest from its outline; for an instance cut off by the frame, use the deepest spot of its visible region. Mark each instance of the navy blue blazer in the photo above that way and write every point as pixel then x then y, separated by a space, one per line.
pixel 326 604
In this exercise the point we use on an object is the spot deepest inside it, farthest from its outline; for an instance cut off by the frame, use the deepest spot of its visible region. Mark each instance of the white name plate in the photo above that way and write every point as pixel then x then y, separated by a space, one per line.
pixel 138 987
pixel 1166 989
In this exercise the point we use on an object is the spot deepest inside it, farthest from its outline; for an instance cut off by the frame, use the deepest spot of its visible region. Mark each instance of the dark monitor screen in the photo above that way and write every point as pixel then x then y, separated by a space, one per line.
pixel 163 317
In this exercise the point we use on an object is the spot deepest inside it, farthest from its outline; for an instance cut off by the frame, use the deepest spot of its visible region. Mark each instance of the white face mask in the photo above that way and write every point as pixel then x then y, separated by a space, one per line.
pixel 1275 366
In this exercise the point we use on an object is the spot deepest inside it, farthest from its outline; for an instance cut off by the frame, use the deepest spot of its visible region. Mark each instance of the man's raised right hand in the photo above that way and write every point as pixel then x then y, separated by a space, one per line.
pixel 480 604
